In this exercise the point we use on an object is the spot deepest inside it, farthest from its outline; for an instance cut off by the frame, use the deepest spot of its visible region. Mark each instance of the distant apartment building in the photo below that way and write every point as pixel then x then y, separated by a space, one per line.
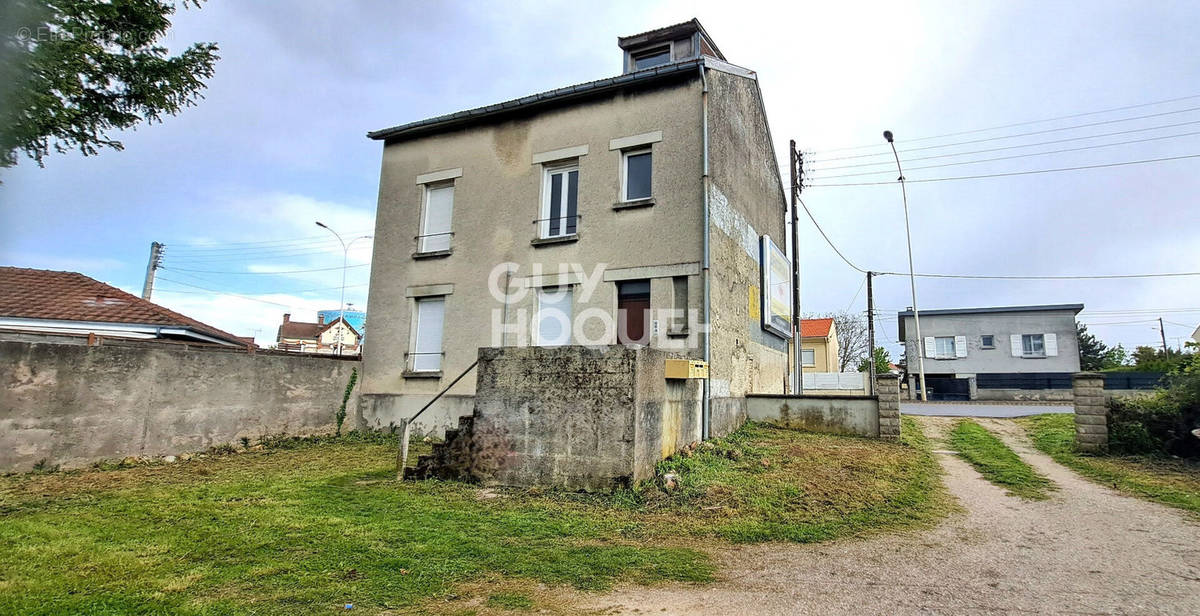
pixel 629 210
pixel 999 353
pixel 336 337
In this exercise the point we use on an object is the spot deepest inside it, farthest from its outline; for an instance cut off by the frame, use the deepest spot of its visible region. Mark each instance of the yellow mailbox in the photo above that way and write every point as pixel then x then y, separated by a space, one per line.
pixel 687 369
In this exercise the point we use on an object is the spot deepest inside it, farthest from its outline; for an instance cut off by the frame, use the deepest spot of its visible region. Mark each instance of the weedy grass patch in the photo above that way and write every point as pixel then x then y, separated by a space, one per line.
pixel 309 525
pixel 996 462
pixel 1170 481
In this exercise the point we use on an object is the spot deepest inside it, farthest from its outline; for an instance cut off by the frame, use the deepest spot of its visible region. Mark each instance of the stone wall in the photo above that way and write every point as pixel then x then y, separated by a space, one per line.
pixel 1091 413
pixel 71 405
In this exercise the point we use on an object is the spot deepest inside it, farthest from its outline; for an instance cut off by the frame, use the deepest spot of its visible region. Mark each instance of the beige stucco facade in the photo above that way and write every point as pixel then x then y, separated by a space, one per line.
pixel 825 352
pixel 497 169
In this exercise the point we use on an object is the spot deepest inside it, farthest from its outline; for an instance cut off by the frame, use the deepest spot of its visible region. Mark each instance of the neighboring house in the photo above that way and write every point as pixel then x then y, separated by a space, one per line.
pixel 356 318
pixel 1001 353
pixel 59 305
pixel 582 215
pixel 338 337
pixel 819 349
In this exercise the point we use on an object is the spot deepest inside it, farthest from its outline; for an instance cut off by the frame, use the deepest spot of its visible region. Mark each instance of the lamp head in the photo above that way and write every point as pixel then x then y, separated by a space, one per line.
pixel 321 224
pixel 887 134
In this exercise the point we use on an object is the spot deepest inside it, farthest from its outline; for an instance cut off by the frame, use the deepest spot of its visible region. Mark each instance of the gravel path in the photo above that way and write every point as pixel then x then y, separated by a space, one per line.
pixel 1087 550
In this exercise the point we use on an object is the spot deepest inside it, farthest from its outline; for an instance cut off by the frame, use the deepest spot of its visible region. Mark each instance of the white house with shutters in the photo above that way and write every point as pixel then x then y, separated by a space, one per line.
pixel 993 353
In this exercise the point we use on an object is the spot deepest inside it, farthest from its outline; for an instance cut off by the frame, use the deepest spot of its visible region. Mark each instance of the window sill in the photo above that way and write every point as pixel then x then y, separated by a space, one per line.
pixel 681 332
pixel 422 374
pixel 561 239
pixel 433 254
pixel 1034 356
pixel 636 203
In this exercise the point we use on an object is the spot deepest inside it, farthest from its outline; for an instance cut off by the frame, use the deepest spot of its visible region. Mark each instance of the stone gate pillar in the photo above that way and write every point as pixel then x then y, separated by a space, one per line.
pixel 1091 413
pixel 887 389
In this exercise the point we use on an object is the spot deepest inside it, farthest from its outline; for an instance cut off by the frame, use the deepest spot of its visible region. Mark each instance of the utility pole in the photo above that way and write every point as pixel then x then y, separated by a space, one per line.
pixel 1163 332
pixel 156 254
pixel 797 168
pixel 871 333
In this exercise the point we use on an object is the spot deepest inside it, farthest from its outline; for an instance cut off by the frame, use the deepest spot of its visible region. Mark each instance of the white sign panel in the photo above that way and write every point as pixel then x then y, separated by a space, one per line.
pixel 776 289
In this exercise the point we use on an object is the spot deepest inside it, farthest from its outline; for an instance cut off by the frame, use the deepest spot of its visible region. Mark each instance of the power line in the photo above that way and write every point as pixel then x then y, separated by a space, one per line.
pixel 232 245
pixel 253 299
pixel 1026 123
pixel 1015 147
pixel 827 240
pixel 1014 136
pixel 1014 156
pixel 303 271
pixel 281 292
pixel 1012 173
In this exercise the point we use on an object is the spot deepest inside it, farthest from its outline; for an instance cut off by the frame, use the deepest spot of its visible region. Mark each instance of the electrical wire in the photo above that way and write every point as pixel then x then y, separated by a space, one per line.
pixel 253 299
pixel 1012 173
pixel 1014 136
pixel 827 240
pixel 1026 123
pixel 250 245
pixel 303 271
pixel 1011 147
pixel 1015 156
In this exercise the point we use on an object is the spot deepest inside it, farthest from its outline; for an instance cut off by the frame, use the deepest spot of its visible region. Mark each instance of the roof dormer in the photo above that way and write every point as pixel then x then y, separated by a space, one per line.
pixel 665 45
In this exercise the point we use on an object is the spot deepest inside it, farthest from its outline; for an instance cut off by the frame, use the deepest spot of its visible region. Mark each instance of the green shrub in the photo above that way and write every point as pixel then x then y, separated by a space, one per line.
pixel 1161 423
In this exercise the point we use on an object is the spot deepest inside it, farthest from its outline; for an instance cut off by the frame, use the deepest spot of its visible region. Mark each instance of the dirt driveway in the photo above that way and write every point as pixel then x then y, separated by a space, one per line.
pixel 1088 550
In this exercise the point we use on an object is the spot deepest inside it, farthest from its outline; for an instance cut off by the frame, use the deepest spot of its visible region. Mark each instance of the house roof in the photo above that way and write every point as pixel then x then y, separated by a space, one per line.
pixel 70 296
pixel 1074 308
pixel 569 93
pixel 300 330
pixel 815 328
pixel 669 32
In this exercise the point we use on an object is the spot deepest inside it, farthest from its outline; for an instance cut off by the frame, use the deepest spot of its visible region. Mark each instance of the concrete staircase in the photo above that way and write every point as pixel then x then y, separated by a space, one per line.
pixel 451 458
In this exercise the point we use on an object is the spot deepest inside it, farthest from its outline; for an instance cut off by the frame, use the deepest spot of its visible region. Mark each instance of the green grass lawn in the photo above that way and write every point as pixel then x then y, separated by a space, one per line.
pixel 996 462
pixel 306 527
pixel 1165 480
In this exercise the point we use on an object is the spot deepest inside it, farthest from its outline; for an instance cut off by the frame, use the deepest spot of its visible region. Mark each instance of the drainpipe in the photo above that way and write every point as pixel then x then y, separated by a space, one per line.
pixel 706 414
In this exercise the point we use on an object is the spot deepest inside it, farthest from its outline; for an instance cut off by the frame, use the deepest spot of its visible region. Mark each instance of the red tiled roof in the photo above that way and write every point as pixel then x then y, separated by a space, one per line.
pixel 815 328
pixel 70 296
pixel 299 330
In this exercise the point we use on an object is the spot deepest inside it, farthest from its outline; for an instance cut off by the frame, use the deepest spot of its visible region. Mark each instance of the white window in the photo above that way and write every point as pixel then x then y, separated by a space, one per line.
pixel 435 218
pixel 1033 345
pixel 636 174
pixel 428 322
pixel 554 316
pixel 944 346
pixel 560 201
pixel 808 357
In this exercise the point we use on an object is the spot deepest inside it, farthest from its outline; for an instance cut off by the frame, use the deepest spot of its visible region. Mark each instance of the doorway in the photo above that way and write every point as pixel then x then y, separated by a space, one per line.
pixel 633 312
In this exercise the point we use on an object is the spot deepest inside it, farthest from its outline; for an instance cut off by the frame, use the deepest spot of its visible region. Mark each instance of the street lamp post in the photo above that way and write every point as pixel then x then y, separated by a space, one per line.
pixel 345 257
pixel 912 279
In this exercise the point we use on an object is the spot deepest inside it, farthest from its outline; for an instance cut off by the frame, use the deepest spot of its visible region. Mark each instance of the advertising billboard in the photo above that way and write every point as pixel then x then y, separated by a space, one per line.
pixel 776 288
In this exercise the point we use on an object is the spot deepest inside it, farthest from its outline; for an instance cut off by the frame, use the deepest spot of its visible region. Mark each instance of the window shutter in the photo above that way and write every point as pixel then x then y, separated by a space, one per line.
pixel 1017 350
pixel 930 347
pixel 960 346
pixel 1051 345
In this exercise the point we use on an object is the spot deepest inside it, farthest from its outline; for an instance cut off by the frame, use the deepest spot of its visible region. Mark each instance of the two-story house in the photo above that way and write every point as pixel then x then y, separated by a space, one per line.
pixel 1000 353
pixel 628 210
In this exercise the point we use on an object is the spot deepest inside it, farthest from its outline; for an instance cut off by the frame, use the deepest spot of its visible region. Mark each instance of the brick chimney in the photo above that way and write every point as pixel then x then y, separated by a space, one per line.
pixel 287 316
pixel 320 319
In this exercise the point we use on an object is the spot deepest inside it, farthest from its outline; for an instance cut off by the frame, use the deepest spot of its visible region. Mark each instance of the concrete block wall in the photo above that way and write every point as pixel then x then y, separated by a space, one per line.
pixel 576 417
pixel 1091 412
pixel 887 389
pixel 72 405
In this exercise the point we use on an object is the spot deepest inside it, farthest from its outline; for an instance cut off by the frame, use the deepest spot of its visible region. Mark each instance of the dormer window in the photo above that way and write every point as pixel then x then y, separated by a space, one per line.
pixel 651 57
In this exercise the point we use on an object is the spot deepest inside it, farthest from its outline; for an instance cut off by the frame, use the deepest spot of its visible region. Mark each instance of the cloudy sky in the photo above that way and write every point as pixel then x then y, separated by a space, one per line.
pixel 234 185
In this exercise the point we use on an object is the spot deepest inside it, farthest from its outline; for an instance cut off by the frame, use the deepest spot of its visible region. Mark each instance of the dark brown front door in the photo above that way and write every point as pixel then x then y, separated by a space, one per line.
pixel 633 312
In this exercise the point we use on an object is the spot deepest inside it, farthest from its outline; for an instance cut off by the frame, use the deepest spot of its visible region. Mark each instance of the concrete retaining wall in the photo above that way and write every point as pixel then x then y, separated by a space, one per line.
pixel 857 415
pixel 578 417
pixel 72 405
pixel 1024 395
